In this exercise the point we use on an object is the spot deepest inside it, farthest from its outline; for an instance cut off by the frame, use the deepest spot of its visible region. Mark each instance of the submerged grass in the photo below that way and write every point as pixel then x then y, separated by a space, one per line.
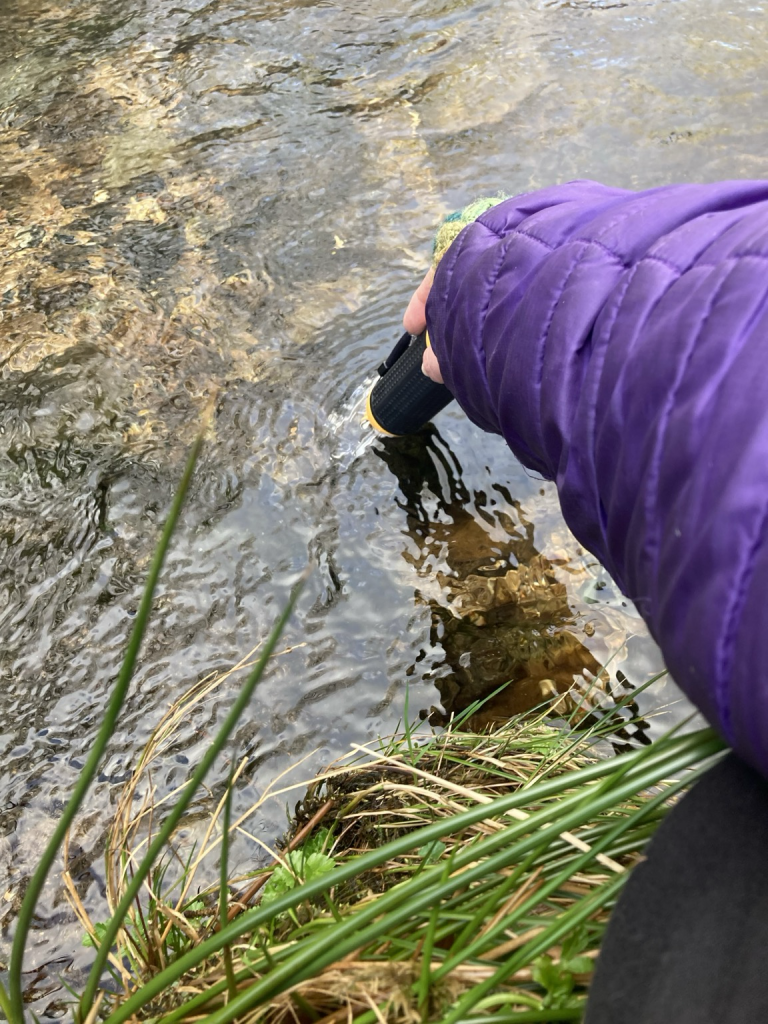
pixel 453 877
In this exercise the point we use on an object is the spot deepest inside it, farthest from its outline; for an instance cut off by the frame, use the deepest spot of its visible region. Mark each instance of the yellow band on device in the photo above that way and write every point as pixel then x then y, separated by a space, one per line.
pixel 372 419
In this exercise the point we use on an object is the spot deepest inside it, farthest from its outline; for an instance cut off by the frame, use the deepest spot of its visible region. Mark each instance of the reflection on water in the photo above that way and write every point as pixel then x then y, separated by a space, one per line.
pixel 511 636
pixel 500 614
pixel 233 201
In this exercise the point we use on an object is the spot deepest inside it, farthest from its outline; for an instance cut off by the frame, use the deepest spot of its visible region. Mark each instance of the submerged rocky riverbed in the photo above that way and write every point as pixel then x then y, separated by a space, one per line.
pixel 231 202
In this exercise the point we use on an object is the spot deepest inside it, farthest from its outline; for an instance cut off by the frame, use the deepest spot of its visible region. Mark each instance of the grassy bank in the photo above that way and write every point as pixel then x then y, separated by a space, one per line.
pixel 450 877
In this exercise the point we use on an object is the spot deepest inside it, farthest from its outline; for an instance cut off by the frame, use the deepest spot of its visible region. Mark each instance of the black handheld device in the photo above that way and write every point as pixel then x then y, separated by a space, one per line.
pixel 403 399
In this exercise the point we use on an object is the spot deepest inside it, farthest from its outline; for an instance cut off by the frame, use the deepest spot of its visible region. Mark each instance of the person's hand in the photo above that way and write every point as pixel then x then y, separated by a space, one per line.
pixel 415 320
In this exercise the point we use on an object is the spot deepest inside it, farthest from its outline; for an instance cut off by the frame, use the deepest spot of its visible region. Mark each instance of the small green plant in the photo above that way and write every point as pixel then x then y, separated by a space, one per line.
pixel 432 852
pixel 306 864
pixel 558 976
pixel 99 931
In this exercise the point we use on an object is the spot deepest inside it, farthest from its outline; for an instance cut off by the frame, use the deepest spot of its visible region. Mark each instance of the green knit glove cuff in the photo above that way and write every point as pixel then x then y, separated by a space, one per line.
pixel 454 223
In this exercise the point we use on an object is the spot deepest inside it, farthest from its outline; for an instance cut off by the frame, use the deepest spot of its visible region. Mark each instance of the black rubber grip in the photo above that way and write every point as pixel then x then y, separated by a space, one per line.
pixel 403 400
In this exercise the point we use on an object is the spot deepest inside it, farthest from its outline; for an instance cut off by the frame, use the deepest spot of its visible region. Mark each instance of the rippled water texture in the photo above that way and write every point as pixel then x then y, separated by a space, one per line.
pixel 232 201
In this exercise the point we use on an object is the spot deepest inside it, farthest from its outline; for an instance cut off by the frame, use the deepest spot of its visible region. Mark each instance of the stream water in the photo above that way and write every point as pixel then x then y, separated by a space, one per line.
pixel 232 200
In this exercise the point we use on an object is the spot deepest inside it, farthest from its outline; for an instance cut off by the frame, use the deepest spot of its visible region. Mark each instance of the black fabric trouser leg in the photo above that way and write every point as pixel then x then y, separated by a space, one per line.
pixel 688 940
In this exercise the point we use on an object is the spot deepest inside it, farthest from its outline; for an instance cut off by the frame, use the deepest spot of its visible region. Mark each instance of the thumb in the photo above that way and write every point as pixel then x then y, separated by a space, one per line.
pixel 415 319
pixel 430 366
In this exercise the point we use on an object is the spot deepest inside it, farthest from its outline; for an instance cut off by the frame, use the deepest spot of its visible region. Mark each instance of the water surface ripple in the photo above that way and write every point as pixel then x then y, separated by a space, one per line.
pixel 231 201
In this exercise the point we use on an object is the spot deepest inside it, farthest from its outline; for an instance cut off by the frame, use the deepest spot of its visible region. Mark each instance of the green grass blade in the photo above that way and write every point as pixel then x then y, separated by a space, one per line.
pixel 224 882
pixel 26 912
pixel 575 865
pixel 575 1012
pixel 425 975
pixel 5 1003
pixel 166 831
pixel 564 924
pixel 494 898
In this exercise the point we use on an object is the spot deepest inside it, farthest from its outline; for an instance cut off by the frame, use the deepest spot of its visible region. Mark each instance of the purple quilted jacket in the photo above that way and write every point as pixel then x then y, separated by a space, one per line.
pixel 619 343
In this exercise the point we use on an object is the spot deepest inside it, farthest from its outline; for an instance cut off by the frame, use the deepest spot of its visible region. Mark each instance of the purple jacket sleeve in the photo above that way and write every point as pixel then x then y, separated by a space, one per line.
pixel 619 343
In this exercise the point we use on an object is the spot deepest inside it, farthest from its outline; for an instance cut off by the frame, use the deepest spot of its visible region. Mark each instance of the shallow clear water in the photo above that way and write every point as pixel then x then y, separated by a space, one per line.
pixel 236 199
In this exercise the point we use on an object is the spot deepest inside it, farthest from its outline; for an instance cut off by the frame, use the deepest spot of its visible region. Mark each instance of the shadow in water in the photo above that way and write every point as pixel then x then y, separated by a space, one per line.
pixel 498 609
